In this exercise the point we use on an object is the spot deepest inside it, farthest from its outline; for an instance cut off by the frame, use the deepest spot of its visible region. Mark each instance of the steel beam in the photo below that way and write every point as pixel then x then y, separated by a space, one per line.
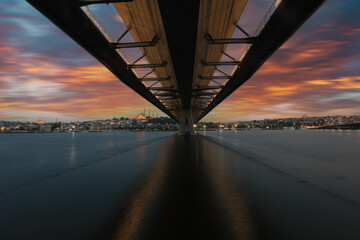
pixel 216 69
pixel 151 43
pixel 173 106
pixel 201 103
pixel 149 65
pixel 167 98
pixel 248 40
pixel 89 2
pixel 214 77
pixel 123 34
pixel 205 98
pixel 181 37
pixel 241 29
pixel 170 102
pixel 204 94
pixel 154 79
pixel 162 89
pixel 144 55
pixel 223 52
pixel 219 63
pixel 207 88
pixel 166 95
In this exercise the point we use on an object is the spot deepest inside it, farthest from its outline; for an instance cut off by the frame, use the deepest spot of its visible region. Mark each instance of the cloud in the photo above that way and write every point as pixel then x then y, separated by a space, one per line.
pixel 44 72
pixel 34 84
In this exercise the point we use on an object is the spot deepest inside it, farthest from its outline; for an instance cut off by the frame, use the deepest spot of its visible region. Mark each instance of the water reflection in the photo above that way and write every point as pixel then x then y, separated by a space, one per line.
pixel 142 136
pixel 216 164
pixel 141 155
pixel 130 225
pixel 41 182
pixel 72 157
pixel 268 168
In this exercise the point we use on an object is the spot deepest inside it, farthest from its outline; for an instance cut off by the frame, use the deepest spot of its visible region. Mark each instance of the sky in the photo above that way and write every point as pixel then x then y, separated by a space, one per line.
pixel 45 74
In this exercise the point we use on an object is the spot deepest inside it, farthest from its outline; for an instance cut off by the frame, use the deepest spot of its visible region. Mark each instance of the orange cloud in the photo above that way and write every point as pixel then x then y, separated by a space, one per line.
pixel 38 85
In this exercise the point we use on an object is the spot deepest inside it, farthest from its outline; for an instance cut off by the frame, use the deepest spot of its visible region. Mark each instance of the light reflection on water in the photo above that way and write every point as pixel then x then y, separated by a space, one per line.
pixel 216 164
pixel 72 158
pixel 69 184
pixel 322 157
pixel 299 184
pixel 26 158
pixel 141 155
pixel 72 151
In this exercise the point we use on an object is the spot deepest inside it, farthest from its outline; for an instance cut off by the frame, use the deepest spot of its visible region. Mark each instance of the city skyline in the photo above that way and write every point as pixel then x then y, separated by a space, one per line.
pixel 45 74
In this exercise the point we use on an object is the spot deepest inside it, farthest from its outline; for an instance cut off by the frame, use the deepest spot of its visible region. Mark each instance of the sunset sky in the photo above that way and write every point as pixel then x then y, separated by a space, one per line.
pixel 45 74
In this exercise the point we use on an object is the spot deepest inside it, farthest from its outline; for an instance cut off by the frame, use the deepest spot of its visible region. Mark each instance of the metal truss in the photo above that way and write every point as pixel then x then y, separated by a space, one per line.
pixel 170 101
pixel 151 43
pixel 148 65
pixel 89 2
pixel 219 63
pixel 242 30
pixel 207 88
pixel 162 89
pixel 214 77
pixel 162 98
pixel 166 95
pixel 248 40
pixel 154 79
pixel 204 94
pixel 203 98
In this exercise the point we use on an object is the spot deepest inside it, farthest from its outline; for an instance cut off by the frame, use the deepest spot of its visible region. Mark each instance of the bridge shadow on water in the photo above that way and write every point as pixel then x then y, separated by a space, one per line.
pixel 186 196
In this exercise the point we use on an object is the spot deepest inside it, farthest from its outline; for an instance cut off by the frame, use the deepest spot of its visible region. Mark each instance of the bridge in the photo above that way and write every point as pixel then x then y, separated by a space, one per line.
pixel 351 125
pixel 183 46
pixel 175 187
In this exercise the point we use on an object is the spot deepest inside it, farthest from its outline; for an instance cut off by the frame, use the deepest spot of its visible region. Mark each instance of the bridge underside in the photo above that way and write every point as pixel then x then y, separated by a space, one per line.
pixel 183 44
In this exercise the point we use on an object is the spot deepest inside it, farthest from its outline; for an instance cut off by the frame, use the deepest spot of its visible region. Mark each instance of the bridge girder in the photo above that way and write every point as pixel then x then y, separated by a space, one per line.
pixel 184 55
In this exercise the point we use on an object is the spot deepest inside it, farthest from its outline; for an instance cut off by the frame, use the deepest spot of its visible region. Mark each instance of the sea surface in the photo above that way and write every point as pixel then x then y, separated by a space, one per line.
pixel 301 184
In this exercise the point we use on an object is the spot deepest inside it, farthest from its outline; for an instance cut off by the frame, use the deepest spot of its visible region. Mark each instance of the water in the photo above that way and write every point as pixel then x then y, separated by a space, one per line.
pixel 297 184
pixel 70 186
pixel 329 159
pixel 30 158
pixel 228 185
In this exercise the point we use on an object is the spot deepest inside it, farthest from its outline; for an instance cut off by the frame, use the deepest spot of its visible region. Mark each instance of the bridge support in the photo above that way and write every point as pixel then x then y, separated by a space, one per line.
pixel 186 123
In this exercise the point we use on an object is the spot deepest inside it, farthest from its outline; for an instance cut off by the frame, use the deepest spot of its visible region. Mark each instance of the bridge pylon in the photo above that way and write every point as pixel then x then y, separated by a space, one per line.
pixel 186 123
